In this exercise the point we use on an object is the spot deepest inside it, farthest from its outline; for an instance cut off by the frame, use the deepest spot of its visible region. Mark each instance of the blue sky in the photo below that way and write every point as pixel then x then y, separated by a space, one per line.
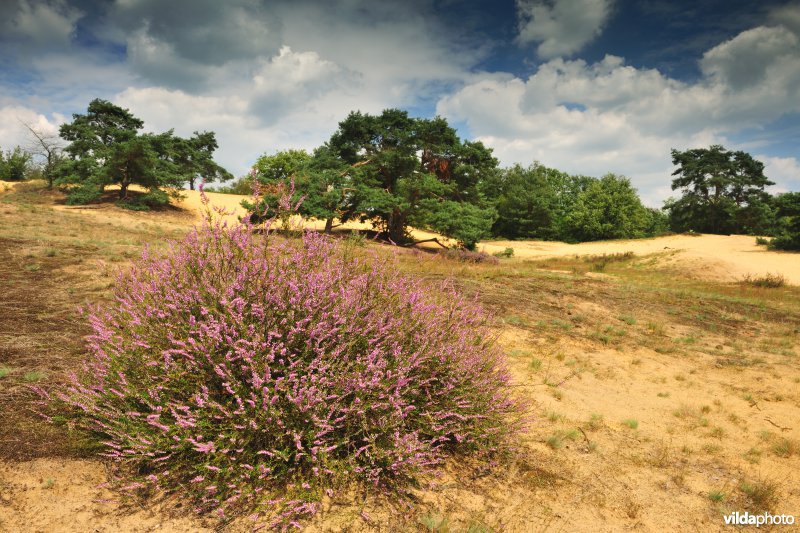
pixel 586 86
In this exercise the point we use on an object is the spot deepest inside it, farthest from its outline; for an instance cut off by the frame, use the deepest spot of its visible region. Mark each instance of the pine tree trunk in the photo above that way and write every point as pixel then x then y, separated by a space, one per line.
pixel 395 227
pixel 329 225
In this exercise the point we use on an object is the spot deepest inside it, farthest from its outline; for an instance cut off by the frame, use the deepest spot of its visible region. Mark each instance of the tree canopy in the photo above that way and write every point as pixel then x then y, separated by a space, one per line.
pixel 106 148
pixel 722 191
pixel 608 208
pixel 14 164
pixel 788 222
pixel 400 170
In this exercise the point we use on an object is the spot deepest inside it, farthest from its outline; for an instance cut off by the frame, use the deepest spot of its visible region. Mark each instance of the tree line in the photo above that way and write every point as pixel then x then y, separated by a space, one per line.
pixel 399 172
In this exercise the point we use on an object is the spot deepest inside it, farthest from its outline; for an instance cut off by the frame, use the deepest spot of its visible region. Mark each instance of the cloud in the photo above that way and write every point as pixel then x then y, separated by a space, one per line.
pixel 12 125
pixel 606 116
pixel 293 81
pixel 784 171
pixel 787 15
pixel 190 44
pixel 40 25
pixel 753 57
pixel 561 27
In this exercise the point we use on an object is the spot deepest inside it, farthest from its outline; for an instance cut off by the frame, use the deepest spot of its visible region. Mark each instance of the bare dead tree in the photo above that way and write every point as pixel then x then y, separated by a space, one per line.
pixel 48 147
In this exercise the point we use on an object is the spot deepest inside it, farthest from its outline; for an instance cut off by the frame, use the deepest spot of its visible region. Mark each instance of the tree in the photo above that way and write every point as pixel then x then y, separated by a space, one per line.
pixel 608 208
pixel 14 165
pixel 106 148
pixel 193 158
pixel 788 222
pixel 49 148
pixel 404 169
pixel 721 191
pixel 530 202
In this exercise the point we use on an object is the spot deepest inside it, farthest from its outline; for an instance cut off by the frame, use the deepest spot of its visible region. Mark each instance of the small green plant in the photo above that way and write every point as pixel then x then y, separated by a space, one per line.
pixel 556 440
pixel 536 364
pixel 628 319
pixel 717 433
pixel 434 522
pixel 4 371
pixel 552 416
pixel 631 423
pixel 753 455
pixel 762 241
pixel 711 449
pixel 507 253
pixel 762 494
pixel 716 496
pixel 48 484
pixel 595 422
pixel 515 321
pixel 785 447
pixel 33 375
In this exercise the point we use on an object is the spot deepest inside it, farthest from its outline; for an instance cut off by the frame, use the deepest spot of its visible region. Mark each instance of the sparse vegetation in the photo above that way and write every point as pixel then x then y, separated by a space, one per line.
pixel 767 281
pixel 762 494
pixel 631 423
pixel 785 447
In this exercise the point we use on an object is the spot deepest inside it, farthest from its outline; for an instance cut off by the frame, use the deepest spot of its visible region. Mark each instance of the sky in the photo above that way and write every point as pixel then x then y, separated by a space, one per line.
pixel 585 86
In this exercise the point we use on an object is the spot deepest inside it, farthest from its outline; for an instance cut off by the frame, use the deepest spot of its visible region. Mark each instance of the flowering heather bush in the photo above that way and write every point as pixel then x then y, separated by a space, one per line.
pixel 248 374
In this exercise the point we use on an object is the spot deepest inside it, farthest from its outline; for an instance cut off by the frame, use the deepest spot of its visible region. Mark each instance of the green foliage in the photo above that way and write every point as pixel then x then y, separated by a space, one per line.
pixel 399 169
pixel 14 165
pixel 507 253
pixel 532 202
pixel 193 158
pixel 319 179
pixel 242 185
pixel 464 222
pixel 106 148
pixel 723 192
pixel 787 231
pixel 543 203
pixel 608 208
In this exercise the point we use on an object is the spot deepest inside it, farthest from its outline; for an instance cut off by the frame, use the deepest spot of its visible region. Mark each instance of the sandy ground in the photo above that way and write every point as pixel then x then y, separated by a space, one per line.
pixel 712 257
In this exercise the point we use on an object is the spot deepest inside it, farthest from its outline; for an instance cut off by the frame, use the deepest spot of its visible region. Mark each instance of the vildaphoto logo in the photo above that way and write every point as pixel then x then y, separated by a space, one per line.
pixel 758 520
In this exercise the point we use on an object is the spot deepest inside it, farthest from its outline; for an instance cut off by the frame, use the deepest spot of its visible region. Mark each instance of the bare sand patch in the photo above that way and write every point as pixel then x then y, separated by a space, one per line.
pixel 712 257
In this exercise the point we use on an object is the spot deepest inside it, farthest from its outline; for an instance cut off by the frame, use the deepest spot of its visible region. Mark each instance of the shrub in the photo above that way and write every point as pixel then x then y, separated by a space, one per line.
pixel 468 256
pixel 246 373
pixel 507 253
pixel 762 241
pixel 768 281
